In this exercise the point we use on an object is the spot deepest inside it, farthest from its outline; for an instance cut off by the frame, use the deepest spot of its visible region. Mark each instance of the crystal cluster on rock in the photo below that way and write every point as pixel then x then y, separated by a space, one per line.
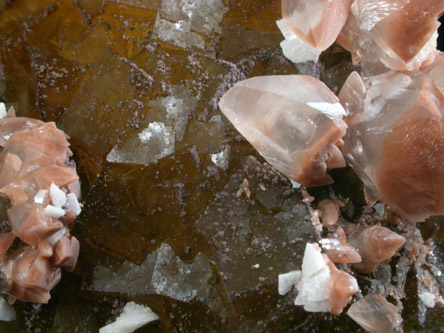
pixel 395 140
pixel 43 188
pixel 399 35
pixel 294 121
pixel 321 286
pixel 311 26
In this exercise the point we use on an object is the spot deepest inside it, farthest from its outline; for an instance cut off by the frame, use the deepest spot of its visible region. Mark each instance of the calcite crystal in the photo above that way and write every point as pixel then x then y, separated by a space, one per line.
pixel 339 251
pixel 395 140
pixel 386 33
pixel 294 121
pixel 375 245
pixel 311 26
pixel 374 314
pixel 42 186
pixel 322 287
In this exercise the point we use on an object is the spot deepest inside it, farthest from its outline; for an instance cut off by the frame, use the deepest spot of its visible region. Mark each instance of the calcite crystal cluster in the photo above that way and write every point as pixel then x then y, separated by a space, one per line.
pixel 180 214
pixel 43 188
pixel 391 129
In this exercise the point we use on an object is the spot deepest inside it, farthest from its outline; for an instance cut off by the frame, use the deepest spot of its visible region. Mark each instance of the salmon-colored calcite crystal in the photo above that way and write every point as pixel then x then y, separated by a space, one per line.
pixel 375 245
pixel 399 35
pixel 395 140
pixel 42 185
pixel 339 251
pixel 374 314
pixel 316 22
pixel 294 121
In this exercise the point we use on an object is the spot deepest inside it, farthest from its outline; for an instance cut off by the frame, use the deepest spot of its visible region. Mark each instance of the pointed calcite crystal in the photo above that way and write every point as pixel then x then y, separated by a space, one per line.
pixel 339 251
pixel 294 121
pixel 311 26
pixel 374 314
pixel 395 140
pixel 322 287
pixel 375 245
pixel 43 187
pixel 399 35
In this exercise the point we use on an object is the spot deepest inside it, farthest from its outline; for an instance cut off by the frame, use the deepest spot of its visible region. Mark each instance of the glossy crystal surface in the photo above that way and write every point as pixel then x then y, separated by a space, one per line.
pixel 162 224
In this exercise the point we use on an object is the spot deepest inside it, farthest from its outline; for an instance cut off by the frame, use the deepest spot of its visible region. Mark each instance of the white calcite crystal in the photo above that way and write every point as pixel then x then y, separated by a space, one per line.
pixel 294 121
pixel 58 197
pixel 395 140
pixel 133 317
pixel 287 281
pixel 384 34
pixel 322 287
pixel 294 48
pixel 374 314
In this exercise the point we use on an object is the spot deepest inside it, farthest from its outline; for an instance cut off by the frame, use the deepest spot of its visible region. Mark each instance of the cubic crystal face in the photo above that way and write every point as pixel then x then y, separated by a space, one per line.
pixel 395 140
pixel 295 122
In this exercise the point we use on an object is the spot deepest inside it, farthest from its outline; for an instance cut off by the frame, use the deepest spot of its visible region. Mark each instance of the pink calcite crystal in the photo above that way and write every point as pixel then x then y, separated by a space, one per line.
pixel 294 121
pixel 316 22
pixel 339 251
pixel 43 189
pixel 399 35
pixel 374 314
pixel 395 140
pixel 375 245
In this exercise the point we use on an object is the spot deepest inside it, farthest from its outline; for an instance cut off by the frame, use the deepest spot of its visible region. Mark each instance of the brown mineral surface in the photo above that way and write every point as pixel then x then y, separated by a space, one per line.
pixel 180 213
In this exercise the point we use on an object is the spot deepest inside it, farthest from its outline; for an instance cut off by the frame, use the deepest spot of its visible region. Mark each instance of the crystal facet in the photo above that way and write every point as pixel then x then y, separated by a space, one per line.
pixel 294 121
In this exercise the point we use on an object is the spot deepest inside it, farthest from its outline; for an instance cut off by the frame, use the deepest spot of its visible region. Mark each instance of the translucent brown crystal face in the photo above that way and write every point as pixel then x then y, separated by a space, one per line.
pixel 374 314
pixel 295 122
pixel 395 140
pixel 35 177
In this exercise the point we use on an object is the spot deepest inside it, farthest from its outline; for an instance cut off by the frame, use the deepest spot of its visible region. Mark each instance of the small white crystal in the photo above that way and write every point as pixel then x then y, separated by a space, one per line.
pixel 7 312
pixel 294 48
pixel 58 197
pixel 56 237
pixel 40 196
pixel 133 317
pixel 73 203
pixel 54 212
pixel 221 159
pixel 287 281
pixel 428 299
pixel 2 110
pixel 313 291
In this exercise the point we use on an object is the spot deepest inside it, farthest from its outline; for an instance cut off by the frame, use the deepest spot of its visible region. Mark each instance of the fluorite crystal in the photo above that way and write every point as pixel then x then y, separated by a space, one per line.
pixel 386 33
pixel 395 140
pixel 295 122
pixel 374 314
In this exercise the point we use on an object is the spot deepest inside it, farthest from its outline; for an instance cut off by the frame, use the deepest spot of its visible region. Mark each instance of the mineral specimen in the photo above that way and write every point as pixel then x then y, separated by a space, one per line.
pixel 295 122
pixel 339 251
pixel 371 36
pixel 37 178
pixel 375 314
pixel 306 38
pixel 395 140
pixel 323 288
pixel 375 245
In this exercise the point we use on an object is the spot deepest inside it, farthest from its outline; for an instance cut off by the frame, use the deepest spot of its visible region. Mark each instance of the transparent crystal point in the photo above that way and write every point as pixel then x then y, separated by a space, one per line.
pixel 294 121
